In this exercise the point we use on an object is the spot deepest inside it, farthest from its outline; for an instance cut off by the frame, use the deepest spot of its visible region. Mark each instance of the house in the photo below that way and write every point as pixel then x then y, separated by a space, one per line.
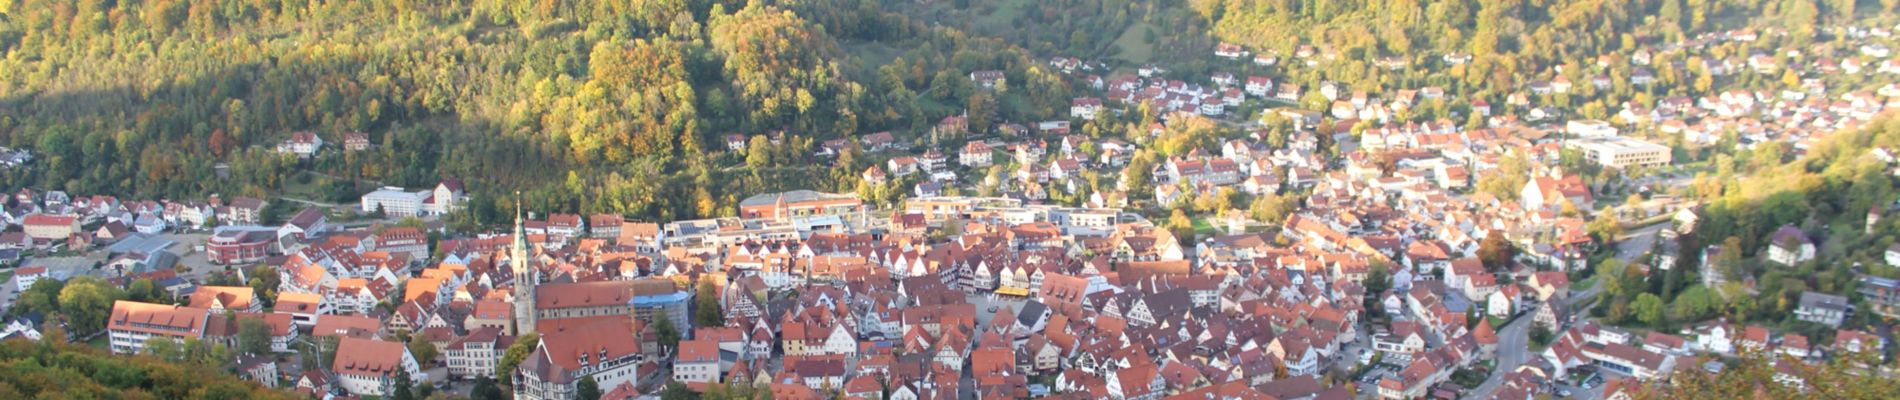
pixel 1229 51
pixel 367 367
pixel 307 223
pixel 698 362
pixel 988 79
pixel 975 154
pixel 874 175
pixel 1824 309
pixel 879 141
pixel 477 353
pixel 221 298
pixel 1258 86
pixel 1545 192
pixel 355 141
pixel 1085 108
pixel 303 144
pixel 1790 246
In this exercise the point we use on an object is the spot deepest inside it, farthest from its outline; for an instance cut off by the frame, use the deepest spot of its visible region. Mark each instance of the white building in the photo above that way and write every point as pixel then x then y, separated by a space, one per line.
pixel 446 197
pixel 1589 128
pixel 133 323
pixel 1617 152
pixel 395 202
pixel 367 367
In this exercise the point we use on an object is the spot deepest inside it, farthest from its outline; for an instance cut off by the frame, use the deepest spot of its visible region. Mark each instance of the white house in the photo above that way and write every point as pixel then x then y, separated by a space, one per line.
pixel 367 367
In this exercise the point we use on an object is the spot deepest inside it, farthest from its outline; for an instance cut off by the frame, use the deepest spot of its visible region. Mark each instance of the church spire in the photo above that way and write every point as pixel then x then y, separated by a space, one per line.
pixel 525 277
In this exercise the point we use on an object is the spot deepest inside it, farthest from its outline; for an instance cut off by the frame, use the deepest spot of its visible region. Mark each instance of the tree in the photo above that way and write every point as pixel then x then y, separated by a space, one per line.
pixel 523 347
pixel 254 335
pixel 1604 227
pixel 401 388
pixel 42 297
pixel 485 389
pixel 1272 209
pixel 668 335
pixel 1379 278
pixel 1540 335
pixel 758 152
pixel 144 290
pixel 587 389
pixel 706 310
pixel 421 349
pixel 86 301
pixel 1180 225
pixel 1496 252
pixel 1649 309
pixel 678 391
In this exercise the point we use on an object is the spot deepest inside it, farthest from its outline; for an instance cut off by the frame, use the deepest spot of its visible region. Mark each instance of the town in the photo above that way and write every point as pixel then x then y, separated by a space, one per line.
pixel 1262 239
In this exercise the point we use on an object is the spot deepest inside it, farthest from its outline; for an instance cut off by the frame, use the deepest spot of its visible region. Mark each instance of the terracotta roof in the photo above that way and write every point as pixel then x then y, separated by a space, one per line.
pixel 158 319
pixel 229 297
pixel 367 357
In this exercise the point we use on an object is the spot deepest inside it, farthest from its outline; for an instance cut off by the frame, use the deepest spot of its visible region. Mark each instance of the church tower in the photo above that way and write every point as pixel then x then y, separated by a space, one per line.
pixel 525 278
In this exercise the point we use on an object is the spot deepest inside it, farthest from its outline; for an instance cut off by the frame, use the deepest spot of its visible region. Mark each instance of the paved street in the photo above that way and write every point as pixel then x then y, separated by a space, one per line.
pixel 1514 338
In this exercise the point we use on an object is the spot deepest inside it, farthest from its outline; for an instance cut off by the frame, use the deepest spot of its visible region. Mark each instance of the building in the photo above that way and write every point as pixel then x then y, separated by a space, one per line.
pixel 395 202
pixel 1551 192
pixel 221 298
pixel 1824 309
pixel 653 297
pixel 1589 128
pixel 607 349
pixel 1620 152
pixel 368 367
pixel 799 203
pixel 477 353
pixel 133 323
pixel 1882 295
pixel 1790 246
pixel 307 223
pixel 447 196
pixel 239 246
pixel 302 144
pixel 49 227
pixel 698 362
pixel 975 154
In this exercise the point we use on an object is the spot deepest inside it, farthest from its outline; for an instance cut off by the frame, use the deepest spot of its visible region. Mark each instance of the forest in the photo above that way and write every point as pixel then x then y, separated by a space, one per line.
pixel 617 106
pixel 49 370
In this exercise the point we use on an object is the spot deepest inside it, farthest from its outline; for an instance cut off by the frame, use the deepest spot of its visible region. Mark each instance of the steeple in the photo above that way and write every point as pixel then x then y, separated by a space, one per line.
pixel 525 277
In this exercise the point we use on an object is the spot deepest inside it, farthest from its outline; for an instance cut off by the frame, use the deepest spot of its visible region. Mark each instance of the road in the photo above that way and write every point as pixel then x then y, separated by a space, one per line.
pixel 1514 349
pixel 1514 338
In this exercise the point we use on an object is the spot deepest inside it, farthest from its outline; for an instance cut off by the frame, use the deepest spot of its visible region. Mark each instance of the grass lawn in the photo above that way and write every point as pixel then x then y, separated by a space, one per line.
pixel 308 190
pixel 1203 227
pixel 1134 48
pixel 1586 283
pixel 873 53
pixel 101 342
pixel 1496 322
pixel 1001 15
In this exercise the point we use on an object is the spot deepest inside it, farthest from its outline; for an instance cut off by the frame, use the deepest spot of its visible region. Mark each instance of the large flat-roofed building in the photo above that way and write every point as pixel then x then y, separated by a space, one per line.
pixel 798 203
pixel 395 202
pixel 133 323
pixel 1619 152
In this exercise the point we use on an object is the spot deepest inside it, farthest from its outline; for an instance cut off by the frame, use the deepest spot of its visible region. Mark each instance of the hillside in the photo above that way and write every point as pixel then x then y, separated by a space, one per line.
pixel 615 106
pixel 30 369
